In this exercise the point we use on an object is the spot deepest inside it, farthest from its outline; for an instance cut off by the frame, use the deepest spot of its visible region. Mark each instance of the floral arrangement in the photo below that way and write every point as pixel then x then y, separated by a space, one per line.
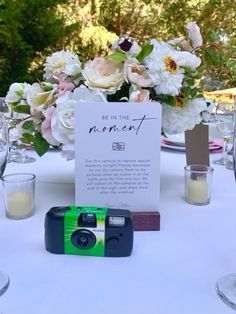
pixel 159 71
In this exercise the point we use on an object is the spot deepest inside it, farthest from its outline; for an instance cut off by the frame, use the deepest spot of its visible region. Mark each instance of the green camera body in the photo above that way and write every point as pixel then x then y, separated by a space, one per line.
pixel 89 231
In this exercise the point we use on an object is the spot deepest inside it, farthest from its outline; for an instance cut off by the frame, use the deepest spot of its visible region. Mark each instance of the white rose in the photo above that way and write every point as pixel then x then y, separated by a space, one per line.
pixel 104 75
pixel 62 122
pixel 84 94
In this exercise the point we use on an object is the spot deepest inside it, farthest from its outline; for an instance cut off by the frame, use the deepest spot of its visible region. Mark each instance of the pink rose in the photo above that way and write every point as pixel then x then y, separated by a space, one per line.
pixel 140 95
pixel 64 83
pixel 194 34
pixel 46 127
pixel 66 86
pixel 183 42
pixel 137 74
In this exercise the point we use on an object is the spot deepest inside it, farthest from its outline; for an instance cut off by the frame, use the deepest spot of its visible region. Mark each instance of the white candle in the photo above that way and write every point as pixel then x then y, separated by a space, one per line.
pixel 19 203
pixel 197 191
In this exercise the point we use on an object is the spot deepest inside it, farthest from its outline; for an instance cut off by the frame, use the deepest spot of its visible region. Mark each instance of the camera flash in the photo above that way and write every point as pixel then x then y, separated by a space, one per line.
pixel 116 221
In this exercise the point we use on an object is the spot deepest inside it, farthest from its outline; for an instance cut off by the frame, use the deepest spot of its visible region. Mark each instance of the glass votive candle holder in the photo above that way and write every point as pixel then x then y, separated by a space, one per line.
pixel 19 195
pixel 198 184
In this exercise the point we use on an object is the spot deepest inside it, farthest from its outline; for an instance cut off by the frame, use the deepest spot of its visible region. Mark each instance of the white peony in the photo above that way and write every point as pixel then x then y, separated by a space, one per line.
pixel 61 62
pixel 104 75
pixel 177 120
pixel 187 59
pixel 164 70
pixel 17 92
pixel 166 67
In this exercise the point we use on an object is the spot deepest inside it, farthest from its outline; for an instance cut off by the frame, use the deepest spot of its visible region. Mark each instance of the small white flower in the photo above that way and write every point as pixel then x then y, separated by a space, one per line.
pixel 128 45
pixel 38 99
pixel 206 115
pixel 177 120
pixel 17 92
pixel 104 75
pixel 61 62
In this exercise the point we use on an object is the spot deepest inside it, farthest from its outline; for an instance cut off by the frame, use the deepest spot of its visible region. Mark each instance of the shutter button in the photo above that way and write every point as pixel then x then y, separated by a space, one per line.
pixel 112 243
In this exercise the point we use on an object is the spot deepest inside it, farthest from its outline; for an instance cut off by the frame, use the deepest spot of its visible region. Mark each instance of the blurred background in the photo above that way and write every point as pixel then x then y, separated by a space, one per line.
pixel 30 30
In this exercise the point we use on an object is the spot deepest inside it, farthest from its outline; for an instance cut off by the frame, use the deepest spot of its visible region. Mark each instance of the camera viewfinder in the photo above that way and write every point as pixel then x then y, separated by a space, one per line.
pixel 87 220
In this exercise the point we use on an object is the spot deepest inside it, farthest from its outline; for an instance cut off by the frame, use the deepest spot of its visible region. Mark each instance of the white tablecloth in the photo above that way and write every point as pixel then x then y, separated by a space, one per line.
pixel 169 272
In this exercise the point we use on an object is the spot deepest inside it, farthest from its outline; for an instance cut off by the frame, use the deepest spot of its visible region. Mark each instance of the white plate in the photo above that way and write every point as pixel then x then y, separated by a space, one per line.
pixel 178 147
pixel 182 148
pixel 178 139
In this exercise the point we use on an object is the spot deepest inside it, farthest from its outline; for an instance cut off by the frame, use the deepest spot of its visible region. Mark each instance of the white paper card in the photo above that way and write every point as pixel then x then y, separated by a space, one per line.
pixel 117 155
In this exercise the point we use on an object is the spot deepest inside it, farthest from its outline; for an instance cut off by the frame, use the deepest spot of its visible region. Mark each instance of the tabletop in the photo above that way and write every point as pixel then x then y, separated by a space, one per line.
pixel 171 271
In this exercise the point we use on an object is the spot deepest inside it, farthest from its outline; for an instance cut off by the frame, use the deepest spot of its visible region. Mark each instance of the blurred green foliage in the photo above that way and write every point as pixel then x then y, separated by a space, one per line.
pixel 32 29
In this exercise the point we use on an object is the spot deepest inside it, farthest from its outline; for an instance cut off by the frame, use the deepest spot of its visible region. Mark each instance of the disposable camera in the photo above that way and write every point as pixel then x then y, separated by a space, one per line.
pixel 89 231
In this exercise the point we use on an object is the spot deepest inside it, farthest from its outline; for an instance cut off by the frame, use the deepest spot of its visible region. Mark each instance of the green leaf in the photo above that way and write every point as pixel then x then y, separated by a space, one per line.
pixel 186 90
pixel 146 50
pixel 27 138
pixel 193 92
pixel 28 125
pixel 22 109
pixel 118 56
pixel 169 100
pixel 233 48
pixel 40 144
pixel 47 86
pixel 214 36
pixel 211 56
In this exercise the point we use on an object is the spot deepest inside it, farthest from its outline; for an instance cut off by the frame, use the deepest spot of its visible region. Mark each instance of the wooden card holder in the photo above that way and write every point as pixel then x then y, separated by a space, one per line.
pixel 146 221
pixel 197 145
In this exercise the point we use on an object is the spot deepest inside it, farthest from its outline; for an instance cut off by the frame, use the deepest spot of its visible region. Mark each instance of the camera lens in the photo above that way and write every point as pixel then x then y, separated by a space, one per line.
pixel 83 239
